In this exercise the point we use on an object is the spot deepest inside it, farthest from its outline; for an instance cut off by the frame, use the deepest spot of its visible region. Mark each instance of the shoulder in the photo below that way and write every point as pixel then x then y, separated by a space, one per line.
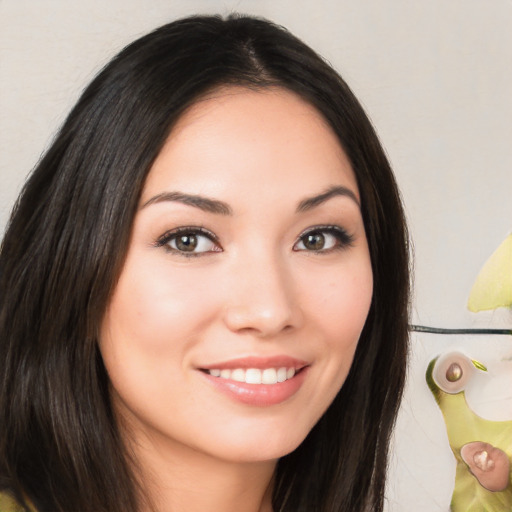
pixel 9 504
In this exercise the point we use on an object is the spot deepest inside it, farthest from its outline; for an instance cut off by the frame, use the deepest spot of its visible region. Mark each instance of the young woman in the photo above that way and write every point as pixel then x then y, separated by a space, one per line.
pixel 204 288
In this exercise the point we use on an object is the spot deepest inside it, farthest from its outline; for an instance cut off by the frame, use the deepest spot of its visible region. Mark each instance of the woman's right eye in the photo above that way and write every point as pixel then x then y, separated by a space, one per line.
pixel 189 242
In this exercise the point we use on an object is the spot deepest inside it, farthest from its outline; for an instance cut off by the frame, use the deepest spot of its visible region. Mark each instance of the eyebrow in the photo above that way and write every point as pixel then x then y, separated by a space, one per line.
pixel 221 208
pixel 203 203
pixel 336 190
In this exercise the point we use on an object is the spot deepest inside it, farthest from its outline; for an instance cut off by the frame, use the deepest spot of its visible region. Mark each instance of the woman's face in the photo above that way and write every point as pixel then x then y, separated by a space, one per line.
pixel 246 284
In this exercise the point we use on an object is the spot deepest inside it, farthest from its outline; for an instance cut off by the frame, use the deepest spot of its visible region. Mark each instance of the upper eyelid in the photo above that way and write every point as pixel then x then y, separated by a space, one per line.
pixel 323 227
pixel 332 228
pixel 163 239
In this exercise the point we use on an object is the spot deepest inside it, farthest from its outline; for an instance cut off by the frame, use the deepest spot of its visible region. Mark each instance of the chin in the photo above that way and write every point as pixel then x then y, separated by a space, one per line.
pixel 265 445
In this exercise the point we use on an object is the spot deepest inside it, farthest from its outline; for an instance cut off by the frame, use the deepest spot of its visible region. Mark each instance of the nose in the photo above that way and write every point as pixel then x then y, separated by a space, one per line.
pixel 263 298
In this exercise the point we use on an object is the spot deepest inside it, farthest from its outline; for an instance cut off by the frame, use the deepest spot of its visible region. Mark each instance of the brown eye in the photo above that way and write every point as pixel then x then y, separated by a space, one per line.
pixel 189 242
pixel 323 239
pixel 186 243
pixel 314 241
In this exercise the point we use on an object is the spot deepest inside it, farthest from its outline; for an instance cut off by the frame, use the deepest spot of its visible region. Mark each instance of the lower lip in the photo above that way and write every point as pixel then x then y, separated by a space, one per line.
pixel 261 395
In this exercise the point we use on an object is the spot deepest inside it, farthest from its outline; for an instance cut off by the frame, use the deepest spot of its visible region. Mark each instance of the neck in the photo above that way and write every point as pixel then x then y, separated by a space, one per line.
pixel 179 479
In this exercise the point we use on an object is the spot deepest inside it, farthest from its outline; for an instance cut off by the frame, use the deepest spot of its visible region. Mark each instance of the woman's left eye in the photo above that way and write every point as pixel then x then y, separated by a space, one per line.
pixel 189 242
pixel 322 239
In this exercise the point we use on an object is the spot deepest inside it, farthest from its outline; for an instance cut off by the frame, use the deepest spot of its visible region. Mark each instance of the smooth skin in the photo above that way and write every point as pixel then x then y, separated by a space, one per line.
pixel 271 259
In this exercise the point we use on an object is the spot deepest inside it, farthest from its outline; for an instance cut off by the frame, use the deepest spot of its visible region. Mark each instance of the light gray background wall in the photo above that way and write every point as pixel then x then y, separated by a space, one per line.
pixel 435 78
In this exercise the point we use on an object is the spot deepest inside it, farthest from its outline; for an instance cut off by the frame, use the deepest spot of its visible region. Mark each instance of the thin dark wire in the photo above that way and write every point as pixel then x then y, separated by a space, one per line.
pixel 441 330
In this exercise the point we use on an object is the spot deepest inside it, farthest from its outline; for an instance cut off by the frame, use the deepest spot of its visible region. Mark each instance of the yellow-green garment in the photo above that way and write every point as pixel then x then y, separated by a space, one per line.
pixel 9 504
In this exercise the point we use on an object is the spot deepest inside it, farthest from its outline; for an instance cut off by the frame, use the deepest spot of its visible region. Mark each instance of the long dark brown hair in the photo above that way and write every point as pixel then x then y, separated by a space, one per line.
pixel 64 248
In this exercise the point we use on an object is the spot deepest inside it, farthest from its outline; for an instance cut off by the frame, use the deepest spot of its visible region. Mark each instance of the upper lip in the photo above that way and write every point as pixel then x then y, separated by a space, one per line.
pixel 258 362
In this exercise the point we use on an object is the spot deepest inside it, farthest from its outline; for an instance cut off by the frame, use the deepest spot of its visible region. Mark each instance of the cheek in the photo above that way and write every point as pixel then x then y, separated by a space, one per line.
pixel 154 320
pixel 158 309
pixel 340 301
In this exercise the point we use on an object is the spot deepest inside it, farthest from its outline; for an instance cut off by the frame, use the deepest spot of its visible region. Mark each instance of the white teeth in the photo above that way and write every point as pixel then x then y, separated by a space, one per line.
pixel 281 374
pixel 238 375
pixel 269 376
pixel 255 375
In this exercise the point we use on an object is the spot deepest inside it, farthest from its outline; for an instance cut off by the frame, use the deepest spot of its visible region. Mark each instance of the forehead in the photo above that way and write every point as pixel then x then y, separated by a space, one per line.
pixel 251 136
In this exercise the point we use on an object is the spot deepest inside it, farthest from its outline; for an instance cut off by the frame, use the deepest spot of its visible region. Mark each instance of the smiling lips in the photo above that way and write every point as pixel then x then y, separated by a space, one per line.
pixel 257 381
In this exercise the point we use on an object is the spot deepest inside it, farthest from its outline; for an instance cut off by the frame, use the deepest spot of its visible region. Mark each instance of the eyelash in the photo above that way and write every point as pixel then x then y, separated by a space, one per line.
pixel 169 236
pixel 342 239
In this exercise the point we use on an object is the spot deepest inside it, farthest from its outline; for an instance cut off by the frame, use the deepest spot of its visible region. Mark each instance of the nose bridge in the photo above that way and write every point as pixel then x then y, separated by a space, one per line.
pixel 262 297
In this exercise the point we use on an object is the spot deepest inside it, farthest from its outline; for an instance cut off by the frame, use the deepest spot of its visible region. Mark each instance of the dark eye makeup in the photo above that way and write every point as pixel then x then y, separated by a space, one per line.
pixel 189 241
pixel 322 239
pixel 193 241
